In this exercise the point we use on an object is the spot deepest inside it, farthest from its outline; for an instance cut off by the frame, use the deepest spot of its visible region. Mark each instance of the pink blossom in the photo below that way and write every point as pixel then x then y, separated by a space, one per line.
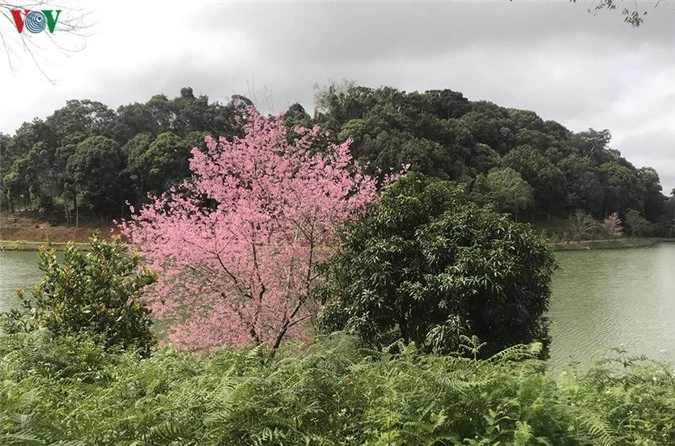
pixel 243 270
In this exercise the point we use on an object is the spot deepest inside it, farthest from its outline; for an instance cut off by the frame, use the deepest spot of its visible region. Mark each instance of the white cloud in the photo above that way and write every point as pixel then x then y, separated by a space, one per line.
pixel 553 58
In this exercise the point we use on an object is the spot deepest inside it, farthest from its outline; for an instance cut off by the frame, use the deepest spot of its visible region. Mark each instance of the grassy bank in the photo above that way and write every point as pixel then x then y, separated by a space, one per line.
pixel 28 245
pixel 619 243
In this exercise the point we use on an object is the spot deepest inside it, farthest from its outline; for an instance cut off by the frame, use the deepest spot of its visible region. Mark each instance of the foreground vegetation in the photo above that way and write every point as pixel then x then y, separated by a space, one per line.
pixel 428 265
pixel 68 391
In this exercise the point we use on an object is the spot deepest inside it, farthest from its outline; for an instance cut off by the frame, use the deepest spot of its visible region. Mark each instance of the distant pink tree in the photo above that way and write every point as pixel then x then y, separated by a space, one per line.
pixel 237 245
pixel 612 224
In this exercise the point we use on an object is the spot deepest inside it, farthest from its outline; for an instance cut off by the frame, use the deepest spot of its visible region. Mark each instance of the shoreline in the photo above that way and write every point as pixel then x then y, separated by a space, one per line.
pixel 618 243
pixel 583 245
pixel 34 245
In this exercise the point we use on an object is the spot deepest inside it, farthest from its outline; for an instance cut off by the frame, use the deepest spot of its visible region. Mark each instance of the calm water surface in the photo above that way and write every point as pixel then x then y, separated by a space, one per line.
pixel 601 299
pixel 18 270
pixel 605 298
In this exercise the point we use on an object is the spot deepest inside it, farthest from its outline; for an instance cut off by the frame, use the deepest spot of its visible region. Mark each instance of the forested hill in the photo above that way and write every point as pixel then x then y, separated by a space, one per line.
pixel 88 156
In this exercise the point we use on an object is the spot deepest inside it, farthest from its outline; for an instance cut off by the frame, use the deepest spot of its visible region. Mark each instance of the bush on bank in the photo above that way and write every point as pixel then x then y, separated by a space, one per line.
pixel 96 291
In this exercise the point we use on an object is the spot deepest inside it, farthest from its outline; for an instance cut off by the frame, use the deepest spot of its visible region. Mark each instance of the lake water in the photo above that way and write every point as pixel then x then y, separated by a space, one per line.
pixel 18 270
pixel 605 298
pixel 601 299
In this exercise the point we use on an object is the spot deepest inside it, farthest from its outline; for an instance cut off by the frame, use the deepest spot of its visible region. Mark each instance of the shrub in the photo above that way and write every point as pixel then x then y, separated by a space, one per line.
pixel 427 258
pixel 95 292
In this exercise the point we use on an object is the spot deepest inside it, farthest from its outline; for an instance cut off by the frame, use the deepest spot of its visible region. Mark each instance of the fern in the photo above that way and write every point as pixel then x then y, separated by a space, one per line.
pixel 333 392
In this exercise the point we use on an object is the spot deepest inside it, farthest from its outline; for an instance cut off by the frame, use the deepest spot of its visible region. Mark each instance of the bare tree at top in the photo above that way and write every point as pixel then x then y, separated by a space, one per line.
pixel 26 29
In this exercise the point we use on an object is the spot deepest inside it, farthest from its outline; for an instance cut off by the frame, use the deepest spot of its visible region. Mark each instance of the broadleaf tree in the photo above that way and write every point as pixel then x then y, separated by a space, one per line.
pixel 237 244
pixel 505 189
pixel 426 260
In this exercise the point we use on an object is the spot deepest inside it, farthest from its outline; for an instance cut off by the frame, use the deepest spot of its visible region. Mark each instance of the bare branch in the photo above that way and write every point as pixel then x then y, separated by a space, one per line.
pixel 72 22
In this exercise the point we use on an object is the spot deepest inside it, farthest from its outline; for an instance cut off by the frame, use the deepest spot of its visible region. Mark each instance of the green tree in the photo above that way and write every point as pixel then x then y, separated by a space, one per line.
pixel 192 113
pixel 426 258
pixel 18 171
pixel 4 141
pixel 163 164
pixel 96 292
pixel 85 117
pixel 622 188
pixel 637 224
pixel 5 195
pixel 297 116
pixel 336 104
pixel 669 215
pixel 584 190
pixel 654 201
pixel 547 180
pixel 15 189
pixel 447 104
pixel 490 124
pixel 132 119
pixel 136 169
pixel 95 170
pixel 505 189
pixel 438 132
pixel 593 145
pixel 162 112
pixel 44 171
pixel 482 159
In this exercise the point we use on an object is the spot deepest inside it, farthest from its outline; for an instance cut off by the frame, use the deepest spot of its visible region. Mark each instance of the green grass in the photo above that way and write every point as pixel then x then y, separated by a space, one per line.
pixel 25 245
pixel 619 243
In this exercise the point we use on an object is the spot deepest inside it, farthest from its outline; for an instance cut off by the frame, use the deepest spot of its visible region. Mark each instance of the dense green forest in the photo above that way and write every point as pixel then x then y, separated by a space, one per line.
pixel 88 158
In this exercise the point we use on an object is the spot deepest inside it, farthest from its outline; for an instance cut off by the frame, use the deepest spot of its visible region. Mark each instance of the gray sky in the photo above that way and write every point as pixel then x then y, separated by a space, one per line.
pixel 551 57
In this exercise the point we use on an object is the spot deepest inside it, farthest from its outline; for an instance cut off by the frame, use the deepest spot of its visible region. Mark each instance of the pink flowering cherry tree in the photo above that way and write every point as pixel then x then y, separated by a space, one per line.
pixel 236 246
pixel 612 224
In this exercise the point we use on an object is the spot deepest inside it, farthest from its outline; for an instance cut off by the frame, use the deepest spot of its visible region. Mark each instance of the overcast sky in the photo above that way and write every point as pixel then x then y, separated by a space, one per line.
pixel 551 57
